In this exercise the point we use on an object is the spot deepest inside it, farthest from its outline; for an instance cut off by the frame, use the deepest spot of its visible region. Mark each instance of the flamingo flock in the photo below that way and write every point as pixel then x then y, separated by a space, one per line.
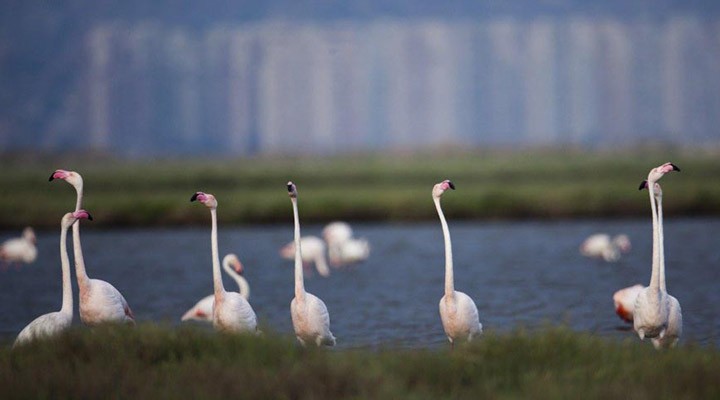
pixel 654 313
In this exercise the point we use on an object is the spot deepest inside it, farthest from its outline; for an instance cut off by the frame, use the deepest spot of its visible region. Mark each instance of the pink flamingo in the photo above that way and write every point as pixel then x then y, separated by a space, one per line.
pixel 310 316
pixel 657 314
pixel 54 323
pixel 458 311
pixel 624 300
pixel 100 302
pixel 231 312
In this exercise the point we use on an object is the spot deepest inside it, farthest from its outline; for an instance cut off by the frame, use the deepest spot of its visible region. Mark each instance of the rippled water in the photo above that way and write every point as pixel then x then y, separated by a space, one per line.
pixel 519 274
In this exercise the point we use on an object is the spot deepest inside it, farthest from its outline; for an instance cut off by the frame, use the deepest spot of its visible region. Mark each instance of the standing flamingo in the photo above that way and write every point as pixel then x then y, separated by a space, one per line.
pixel 313 252
pixel 100 302
pixel 53 323
pixel 601 245
pixel 310 316
pixel 202 310
pixel 458 312
pixel 653 304
pixel 19 250
pixel 231 312
pixel 674 324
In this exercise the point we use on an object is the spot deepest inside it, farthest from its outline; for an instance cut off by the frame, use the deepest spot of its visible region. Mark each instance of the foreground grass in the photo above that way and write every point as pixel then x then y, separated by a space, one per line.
pixel 158 362
pixel 538 184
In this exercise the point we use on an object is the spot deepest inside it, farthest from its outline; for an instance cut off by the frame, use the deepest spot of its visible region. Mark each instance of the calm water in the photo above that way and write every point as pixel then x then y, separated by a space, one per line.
pixel 519 274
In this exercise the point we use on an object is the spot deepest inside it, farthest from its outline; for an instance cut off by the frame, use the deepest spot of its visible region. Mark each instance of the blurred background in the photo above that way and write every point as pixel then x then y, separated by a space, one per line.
pixel 144 79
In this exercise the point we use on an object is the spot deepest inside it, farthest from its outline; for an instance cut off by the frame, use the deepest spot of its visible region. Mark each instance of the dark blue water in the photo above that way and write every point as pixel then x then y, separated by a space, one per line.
pixel 519 274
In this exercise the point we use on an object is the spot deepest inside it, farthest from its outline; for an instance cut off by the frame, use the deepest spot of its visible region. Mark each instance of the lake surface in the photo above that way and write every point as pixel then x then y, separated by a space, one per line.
pixel 520 274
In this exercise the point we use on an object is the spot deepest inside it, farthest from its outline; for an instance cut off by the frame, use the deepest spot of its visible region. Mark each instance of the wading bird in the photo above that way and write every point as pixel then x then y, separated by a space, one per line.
pixel 202 310
pixel 19 250
pixel 458 312
pixel 310 316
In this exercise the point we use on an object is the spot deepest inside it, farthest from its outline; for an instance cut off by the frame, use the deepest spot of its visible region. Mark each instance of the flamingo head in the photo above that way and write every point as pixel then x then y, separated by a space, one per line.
pixel 29 235
pixel 657 189
pixel 233 260
pixel 205 198
pixel 288 251
pixel 658 172
pixel 622 242
pixel 441 187
pixel 70 218
pixel 292 190
pixel 70 177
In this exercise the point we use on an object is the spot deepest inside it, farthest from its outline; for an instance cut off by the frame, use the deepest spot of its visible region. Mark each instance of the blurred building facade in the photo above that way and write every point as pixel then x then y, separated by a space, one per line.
pixel 324 87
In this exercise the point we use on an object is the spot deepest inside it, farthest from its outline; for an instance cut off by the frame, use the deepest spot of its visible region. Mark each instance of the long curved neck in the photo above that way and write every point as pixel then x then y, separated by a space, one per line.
pixel 449 280
pixel 217 279
pixel 79 200
pixel 321 264
pixel 82 277
pixel 299 283
pixel 67 299
pixel 661 244
pixel 655 276
pixel 242 283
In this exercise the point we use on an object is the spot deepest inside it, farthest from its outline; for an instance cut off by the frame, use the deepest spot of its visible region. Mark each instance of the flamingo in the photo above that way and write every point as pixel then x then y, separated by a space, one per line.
pixel 202 310
pixel 624 300
pixel 51 324
pixel 654 307
pixel 310 316
pixel 314 252
pixel 601 245
pixel 100 302
pixel 343 249
pixel 674 325
pixel 231 312
pixel 458 311
pixel 19 250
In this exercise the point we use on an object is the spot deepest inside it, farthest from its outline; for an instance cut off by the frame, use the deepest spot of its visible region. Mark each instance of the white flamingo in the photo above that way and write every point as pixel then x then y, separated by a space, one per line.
pixel 231 312
pixel 653 304
pixel 54 323
pixel 343 249
pixel 624 300
pixel 458 311
pixel 202 310
pixel 310 316
pixel 674 324
pixel 100 302
pixel 601 245
pixel 19 250
pixel 313 252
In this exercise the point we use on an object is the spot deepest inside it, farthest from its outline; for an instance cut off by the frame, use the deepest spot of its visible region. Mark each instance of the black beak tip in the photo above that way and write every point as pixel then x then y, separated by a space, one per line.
pixel 643 185
pixel 194 197
pixel 452 185
pixel 51 177
pixel 290 187
pixel 675 167
pixel 90 217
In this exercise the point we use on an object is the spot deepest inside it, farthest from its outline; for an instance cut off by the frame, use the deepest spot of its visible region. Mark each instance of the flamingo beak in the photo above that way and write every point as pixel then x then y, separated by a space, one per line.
pixel 194 197
pixel 674 167
pixel 643 185
pixel 452 185
pixel 239 267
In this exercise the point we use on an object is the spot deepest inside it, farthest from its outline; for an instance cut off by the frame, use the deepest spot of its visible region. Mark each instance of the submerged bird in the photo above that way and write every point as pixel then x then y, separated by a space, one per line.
pixel 458 311
pixel 19 250
pixel 601 245
pixel 310 317
pixel 657 314
pixel 100 302
pixel 343 249
pixel 54 323
pixel 231 311
pixel 202 310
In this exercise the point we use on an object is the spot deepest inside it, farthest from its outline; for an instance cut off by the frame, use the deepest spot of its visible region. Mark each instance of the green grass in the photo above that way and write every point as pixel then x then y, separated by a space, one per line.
pixel 158 362
pixel 491 185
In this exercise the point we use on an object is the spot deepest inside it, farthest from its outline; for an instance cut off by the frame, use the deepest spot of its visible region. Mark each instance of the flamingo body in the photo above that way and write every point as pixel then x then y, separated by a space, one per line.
pixel 343 249
pixel 101 302
pixel 313 252
pixel 602 245
pixel 459 316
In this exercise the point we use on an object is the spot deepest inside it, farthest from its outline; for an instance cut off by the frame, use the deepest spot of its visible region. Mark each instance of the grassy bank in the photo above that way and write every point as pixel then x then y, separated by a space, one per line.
pixel 157 362
pixel 497 185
